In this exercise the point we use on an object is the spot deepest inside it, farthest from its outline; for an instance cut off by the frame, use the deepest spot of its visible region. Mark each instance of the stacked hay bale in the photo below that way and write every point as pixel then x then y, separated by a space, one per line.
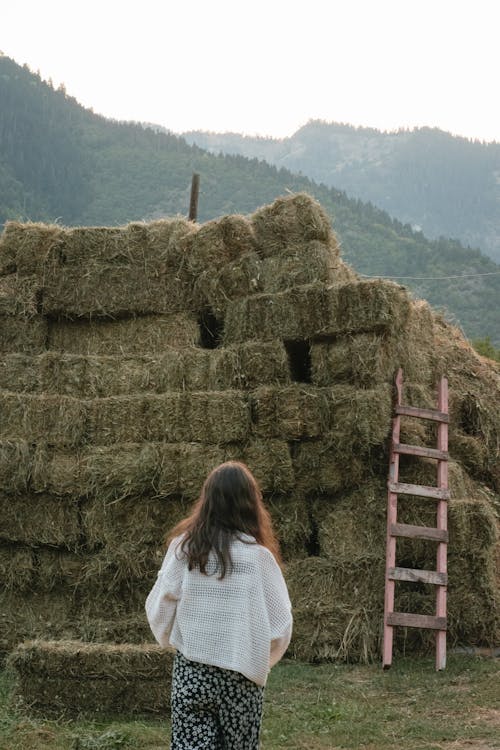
pixel 138 358
pixel 72 679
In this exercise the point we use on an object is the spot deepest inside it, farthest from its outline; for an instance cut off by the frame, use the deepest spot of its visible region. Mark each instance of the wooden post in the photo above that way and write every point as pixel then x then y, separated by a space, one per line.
pixel 193 204
pixel 442 523
pixel 392 513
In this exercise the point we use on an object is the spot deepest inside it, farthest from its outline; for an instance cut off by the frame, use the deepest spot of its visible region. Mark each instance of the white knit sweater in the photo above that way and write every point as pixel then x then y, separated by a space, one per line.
pixel 242 622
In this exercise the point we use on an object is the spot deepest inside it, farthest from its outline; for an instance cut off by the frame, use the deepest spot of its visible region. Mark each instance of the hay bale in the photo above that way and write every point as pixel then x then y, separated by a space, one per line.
pixel 25 615
pixel 18 296
pixel 184 467
pixel 317 311
pixel 16 458
pixel 337 609
pixel 19 372
pixel 58 420
pixel 58 568
pixel 30 247
pixel 238 367
pixel 150 333
pixel 127 567
pixel 365 359
pixel 57 472
pixel 217 242
pixel 207 417
pixel 117 625
pixel 270 462
pixel 111 291
pixel 318 467
pixel 351 419
pixel 214 288
pixel 348 523
pixel 158 469
pixel 290 222
pixel 121 470
pixel 292 412
pixel 246 366
pixel 134 521
pixel 360 359
pixel 314 262
pixel 17 568
pixel 40 519
pixel 473 600
pixel 21 334
pixel 72 678
pixel 352 523
pixel 291 522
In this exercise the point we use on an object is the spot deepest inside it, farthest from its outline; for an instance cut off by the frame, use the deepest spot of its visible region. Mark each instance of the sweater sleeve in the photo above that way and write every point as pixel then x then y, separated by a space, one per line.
pixel 279 608
pixel 161 603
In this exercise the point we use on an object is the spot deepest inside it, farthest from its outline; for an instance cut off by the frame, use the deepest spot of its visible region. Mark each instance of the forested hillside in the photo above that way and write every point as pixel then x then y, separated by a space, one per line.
pixel 448 186
pixel 61 162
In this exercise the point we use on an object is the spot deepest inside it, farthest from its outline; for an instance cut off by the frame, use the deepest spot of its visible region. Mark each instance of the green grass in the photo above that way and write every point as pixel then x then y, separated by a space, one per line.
pixel 316 707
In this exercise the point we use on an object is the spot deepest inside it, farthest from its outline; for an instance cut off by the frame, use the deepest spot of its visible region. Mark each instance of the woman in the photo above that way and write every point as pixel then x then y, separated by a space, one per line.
pixel 221 601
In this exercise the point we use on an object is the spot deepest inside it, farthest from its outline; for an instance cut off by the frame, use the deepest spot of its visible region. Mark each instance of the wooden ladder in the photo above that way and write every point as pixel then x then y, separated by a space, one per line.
pixel 438 534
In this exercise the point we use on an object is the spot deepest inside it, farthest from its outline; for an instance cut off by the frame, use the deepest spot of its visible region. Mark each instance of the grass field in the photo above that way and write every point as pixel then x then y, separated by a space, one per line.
pixel 409 707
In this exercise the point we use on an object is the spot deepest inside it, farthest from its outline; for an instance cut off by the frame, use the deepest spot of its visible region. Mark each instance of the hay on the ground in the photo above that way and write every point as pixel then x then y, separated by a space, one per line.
pixel 318 311
pixel 72 678
pixel 289 222
pixel 36 519
pixel 58 420
pixel 150 333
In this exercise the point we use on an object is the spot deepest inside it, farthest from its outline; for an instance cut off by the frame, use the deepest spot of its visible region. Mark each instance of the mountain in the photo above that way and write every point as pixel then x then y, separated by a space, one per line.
pixel 61 162
pixel 446 185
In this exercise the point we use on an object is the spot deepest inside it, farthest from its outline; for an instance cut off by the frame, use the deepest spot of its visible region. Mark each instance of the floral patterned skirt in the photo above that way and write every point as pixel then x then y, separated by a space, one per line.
pixel 214 708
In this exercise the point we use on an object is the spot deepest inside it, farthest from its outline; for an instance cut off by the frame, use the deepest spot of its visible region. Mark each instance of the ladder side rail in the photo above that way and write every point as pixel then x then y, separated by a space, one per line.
pixel 442 523
pixel 392 512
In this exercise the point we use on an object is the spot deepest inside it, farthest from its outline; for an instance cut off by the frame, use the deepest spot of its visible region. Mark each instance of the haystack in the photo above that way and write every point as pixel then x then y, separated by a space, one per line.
pixel 74 679
pixel 135 359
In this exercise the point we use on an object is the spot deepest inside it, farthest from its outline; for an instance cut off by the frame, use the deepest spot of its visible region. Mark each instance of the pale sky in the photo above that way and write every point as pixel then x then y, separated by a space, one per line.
pixel 268 66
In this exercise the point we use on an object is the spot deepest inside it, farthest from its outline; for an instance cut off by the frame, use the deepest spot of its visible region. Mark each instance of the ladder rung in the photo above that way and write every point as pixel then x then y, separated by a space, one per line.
pixel 417 576
pixel 415 411
pixel 420 490
pixel 417 450
pixel 418 532
pixel 416 621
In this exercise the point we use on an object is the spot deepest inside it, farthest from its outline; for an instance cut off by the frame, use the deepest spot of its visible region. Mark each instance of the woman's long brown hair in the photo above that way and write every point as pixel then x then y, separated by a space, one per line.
pixel 230 504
